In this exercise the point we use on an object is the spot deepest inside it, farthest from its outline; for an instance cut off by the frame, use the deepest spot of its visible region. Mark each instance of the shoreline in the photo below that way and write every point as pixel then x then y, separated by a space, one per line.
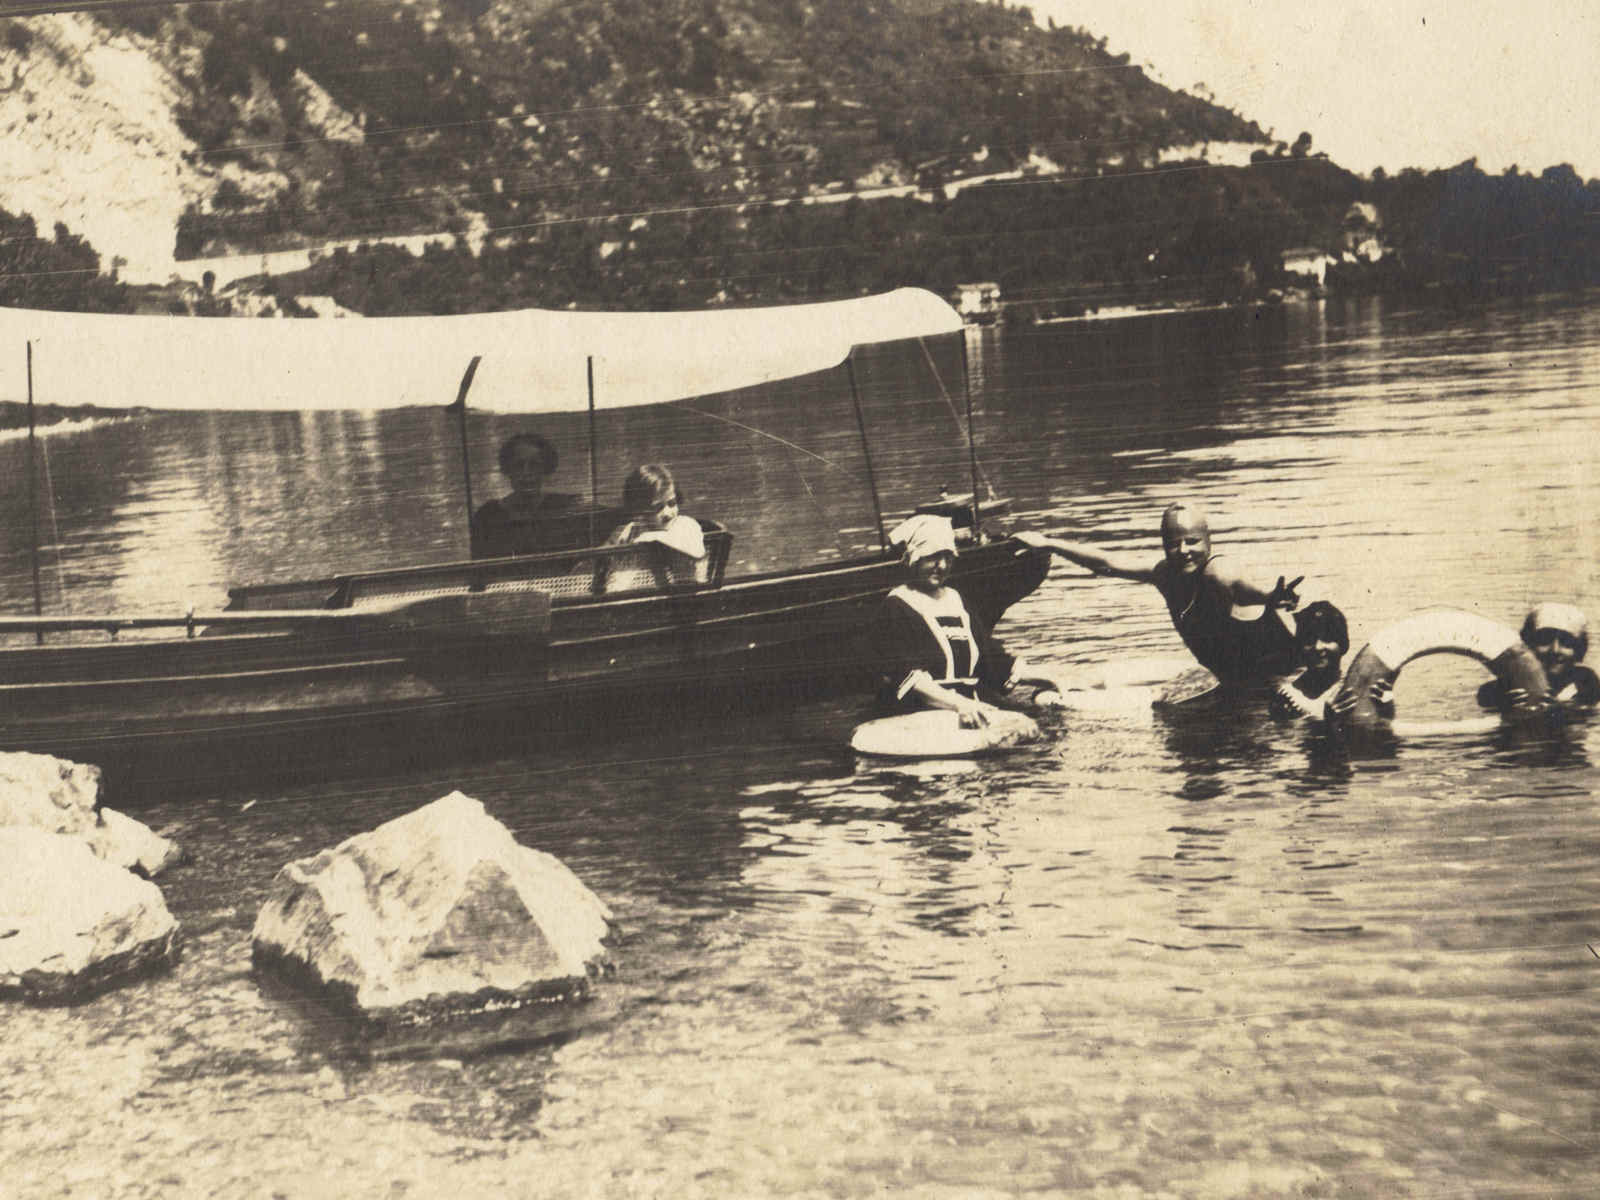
pixel 1122 312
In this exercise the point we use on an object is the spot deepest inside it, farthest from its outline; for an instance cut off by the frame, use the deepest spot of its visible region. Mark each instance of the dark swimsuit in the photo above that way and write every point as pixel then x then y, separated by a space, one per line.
pixel 1234 651
pixel 906 639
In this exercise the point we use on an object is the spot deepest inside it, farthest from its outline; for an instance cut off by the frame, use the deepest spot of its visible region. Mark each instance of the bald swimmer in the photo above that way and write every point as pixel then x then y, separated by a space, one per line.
pixel 1201 599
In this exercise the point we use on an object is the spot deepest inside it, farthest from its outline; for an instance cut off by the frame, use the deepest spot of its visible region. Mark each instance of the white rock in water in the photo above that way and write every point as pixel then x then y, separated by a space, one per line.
pixel 72 924
pixel 124 842
pixel 437 912
pixel 38 791
pixel 47 793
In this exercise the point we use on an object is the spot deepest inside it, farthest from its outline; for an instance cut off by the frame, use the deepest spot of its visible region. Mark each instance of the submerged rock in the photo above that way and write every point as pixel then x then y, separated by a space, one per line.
pixel 439 912
pixel 54 795
pixel 72 924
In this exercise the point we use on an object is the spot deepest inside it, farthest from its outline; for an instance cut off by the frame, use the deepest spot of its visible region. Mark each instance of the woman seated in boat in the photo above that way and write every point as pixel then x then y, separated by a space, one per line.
pixel 1558 635
pixel 530 520
pixel 931 649
pixel 650 508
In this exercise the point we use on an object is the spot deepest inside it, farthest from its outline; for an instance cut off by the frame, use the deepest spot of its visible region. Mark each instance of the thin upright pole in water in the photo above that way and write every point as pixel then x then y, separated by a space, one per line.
pixel 461 416
pixel 972 445
pixel 866 449
pixel 33 500
pixel 594 468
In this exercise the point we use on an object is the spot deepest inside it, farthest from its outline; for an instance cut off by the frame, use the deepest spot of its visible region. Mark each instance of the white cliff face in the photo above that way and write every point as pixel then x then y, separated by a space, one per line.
pixel 87 122
pixel 90 138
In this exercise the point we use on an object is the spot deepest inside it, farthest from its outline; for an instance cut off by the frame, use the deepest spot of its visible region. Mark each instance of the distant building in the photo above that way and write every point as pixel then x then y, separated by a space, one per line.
pixel 978 303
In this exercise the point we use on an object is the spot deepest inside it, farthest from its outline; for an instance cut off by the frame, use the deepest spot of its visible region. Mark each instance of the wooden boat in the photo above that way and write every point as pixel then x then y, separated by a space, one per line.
pixel 337 672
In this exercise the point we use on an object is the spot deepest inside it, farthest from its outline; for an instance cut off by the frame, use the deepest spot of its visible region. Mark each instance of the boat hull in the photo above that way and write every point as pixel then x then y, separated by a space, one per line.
pixel 188 710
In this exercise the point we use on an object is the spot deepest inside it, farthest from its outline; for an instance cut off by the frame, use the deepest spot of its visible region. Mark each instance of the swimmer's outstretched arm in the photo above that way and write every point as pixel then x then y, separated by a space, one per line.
pixel 1120 567
pixel 1242 592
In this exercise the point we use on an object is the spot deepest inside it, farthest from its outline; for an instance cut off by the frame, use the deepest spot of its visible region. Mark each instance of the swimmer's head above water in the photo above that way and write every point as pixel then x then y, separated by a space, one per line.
pixel 1186 538
pixel 1558 635
pixel 1322 634
pixel 929 549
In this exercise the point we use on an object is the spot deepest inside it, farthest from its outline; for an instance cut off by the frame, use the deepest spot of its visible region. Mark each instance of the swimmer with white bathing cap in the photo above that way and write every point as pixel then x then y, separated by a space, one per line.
pixel 1558 635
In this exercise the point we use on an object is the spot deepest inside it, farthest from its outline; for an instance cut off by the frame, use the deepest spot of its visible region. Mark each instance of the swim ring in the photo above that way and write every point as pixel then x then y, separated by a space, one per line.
pixel 1439 631
pixel 938 733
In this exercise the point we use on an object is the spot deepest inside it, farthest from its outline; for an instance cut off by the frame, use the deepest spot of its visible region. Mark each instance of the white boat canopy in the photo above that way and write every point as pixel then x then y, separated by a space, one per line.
pixel 534 361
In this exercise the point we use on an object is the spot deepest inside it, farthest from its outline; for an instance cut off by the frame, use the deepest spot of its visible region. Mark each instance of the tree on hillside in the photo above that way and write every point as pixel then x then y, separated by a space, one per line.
pixel 61 274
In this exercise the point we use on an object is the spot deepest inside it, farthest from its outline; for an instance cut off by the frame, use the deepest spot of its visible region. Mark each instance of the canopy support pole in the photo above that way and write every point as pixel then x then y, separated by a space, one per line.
pixel 972 443
pixel 866 450
pixel 460 407
pixel 33 500
pixel 594 466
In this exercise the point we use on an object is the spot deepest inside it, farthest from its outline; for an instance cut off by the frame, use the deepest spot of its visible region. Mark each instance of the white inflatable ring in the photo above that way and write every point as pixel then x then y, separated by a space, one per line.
pixel 1437 631
pixel 938 733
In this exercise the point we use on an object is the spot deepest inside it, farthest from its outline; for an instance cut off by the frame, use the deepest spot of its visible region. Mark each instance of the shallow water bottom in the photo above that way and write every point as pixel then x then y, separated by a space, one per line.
pixel 1025 975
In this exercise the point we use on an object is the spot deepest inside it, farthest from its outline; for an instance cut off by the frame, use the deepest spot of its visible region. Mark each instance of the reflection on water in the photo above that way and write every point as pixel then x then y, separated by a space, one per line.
pixel 1155 955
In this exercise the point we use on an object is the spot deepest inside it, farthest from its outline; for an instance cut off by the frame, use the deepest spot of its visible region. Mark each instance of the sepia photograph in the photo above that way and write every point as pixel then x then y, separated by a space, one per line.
pixel 799 598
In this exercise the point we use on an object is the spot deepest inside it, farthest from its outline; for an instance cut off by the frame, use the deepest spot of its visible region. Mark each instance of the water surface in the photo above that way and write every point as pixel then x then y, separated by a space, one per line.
pixel 1151 957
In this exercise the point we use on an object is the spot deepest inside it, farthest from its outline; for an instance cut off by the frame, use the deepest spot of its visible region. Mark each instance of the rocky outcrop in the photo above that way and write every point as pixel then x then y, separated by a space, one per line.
pixel 53 795
pixel 321 114
pixel 72 924
pixel 99 123
pixel 88 123
pixel 437 913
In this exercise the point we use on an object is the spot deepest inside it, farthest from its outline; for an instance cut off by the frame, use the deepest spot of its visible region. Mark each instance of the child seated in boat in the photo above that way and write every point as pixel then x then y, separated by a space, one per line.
pixel 931 649
pixel 530 520
pixel 1201 598
pixel 650 505
pixel 1323 638
pixel 1558 635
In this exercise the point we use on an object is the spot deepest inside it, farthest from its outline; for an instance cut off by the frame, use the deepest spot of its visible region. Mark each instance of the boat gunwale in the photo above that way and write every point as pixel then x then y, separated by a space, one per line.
pixel 343 622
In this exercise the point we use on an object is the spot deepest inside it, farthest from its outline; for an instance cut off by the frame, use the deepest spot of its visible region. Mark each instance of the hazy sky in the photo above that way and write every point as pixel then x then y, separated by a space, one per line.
pixel 1395 83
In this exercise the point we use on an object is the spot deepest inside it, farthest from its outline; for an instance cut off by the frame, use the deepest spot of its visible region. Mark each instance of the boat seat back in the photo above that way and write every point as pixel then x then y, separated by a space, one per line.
pixel 564 575
pixel 643 568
